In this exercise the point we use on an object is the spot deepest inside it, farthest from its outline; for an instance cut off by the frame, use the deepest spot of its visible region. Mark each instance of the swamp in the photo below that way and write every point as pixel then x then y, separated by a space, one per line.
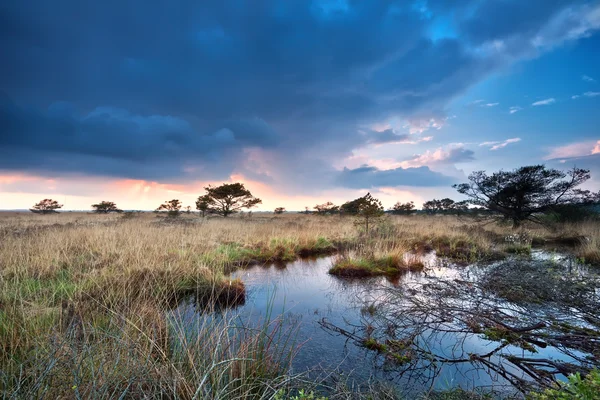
pixel 294 306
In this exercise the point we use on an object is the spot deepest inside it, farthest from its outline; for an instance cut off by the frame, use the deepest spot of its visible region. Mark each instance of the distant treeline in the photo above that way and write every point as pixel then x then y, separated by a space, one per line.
pixel 533 193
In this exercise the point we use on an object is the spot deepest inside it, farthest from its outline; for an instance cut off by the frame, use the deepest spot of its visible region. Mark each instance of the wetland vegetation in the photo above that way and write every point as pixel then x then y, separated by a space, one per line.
pixel 87 301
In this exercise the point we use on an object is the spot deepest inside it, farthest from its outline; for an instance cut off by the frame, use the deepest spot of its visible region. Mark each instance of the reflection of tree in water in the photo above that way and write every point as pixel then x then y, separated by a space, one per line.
pixel 550 328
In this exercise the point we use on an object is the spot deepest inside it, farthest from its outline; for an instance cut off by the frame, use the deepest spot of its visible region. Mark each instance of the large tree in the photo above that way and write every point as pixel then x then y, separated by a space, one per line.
pixel 105 207
pixel 525 192
pixel 46 206
pixel 227 199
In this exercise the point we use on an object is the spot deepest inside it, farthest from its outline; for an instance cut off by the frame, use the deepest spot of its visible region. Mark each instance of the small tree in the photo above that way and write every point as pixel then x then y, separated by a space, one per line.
pixel 279 210
pixel 202 205
pixel 520 194
pixel 326 208
pixel 46 206
pixel 403 208
pixel 368 209
pixel 172 207
pixel 446 205
pixel 227 199
pixel 105 207
pixel 352 207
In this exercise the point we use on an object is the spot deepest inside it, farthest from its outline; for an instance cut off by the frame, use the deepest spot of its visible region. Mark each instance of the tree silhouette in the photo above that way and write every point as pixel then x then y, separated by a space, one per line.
pixel 403 208
pixel 46 206
pixel 202 205
pixel 326 208
pixel 105 207
pixel 520 194
pixel 445 205
pixel 172 207
pixel 227 199
pixel 279 210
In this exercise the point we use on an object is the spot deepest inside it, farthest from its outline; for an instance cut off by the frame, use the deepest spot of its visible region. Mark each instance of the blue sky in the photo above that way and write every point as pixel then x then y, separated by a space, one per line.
pixel 304 101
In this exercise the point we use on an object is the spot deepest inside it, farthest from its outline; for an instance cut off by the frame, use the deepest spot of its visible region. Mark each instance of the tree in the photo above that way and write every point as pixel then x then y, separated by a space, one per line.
pixel 368 209
pixel 403 208
pixel 46 206
pixel 172 207
pixel 279 210
pixel 521 194
pixel 445 205
pixel 227 199
pixel 202 205
pixel 326 208
pixel 353 207
pixel 105 207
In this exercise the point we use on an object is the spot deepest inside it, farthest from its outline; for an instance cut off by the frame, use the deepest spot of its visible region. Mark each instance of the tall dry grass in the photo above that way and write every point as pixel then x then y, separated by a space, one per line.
pixel 86 301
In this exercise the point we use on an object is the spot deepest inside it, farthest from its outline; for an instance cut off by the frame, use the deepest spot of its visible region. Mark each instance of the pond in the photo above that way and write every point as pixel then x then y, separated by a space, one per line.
pixel 331 316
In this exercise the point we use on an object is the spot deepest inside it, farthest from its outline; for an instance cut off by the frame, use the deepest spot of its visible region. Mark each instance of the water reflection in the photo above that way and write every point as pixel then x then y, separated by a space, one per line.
pixel 315 302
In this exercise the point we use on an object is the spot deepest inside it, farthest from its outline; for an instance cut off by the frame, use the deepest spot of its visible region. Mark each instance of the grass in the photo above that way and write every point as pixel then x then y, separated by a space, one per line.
pixel 361 267
pixel 85 299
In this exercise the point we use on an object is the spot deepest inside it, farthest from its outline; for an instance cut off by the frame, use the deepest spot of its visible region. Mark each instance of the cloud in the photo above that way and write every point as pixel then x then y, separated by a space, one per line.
pixel 574 150
pixel 419 124
pixel 367 177
pixel 222 81
pixel 586 94
pixel 109 141
pixel 491 104
pixel 501 144
pixel 451 155
pixel 587 78
pixel 544 102
pixel 514 109
pixel 386 136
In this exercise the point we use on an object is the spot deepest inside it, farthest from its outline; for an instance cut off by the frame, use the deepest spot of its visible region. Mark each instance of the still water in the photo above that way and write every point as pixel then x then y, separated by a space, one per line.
pixel 305 296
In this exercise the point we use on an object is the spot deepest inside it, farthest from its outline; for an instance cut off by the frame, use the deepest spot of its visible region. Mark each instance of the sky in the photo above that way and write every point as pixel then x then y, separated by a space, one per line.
pixel 303 101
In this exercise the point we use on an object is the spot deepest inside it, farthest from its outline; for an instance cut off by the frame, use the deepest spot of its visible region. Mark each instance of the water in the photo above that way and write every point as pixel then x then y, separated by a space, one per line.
pixel 308 298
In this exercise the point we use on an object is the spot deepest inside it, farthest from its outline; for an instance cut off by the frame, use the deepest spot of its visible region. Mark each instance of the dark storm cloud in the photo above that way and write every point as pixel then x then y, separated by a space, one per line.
pixel 112 141
pixel 367 177
pixel 160 89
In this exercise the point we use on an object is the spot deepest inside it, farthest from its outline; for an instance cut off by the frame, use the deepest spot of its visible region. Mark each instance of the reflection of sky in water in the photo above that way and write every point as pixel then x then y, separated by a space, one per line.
pixel 305 293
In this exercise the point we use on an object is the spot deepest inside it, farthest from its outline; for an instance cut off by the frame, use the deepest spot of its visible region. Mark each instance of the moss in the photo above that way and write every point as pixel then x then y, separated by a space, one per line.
pixel 373 344
pixel 400 359
pixel 500 334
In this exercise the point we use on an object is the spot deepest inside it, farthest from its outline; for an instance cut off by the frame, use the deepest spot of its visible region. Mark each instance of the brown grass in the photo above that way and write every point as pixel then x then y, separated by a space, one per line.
pixel 103 284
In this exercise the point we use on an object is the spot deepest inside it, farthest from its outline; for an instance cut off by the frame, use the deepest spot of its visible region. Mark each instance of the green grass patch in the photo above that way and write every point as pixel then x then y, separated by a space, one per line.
pixel 371 266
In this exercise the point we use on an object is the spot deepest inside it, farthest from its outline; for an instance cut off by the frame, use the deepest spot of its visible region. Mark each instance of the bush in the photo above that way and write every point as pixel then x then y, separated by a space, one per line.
pixel 571 213
pixel 577 388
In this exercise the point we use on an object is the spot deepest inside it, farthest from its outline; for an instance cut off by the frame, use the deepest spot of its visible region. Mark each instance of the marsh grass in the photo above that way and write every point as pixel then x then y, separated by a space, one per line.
pixel 85 299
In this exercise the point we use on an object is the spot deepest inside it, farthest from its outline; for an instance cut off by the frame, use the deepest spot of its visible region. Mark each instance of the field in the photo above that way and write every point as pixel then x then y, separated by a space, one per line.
pixel 85 299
